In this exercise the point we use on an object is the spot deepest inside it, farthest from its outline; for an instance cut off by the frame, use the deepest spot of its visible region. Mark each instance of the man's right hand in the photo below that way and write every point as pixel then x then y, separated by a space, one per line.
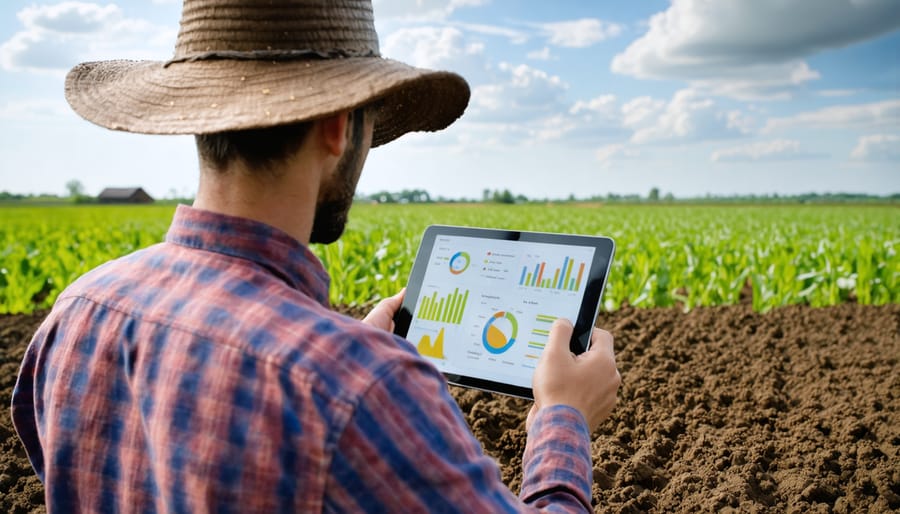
pixel 587 382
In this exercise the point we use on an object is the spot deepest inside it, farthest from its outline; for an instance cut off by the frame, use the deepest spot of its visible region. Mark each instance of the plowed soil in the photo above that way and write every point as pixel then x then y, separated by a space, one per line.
pixel 795 410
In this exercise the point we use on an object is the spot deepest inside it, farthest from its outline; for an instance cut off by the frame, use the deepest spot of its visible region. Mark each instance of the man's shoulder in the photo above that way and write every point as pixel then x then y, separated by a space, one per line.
pixel 106 274
pixel 337 345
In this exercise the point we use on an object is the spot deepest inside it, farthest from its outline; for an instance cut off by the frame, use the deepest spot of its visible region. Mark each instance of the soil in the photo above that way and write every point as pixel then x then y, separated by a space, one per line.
pixel 795 410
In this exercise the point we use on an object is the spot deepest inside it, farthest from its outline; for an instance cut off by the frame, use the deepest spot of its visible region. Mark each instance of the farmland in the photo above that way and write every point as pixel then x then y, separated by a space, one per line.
pixel 758 346
pixel 685 256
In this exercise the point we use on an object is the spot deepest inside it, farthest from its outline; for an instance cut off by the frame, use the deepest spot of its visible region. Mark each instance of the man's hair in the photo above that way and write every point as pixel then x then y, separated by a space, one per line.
pixel 257 148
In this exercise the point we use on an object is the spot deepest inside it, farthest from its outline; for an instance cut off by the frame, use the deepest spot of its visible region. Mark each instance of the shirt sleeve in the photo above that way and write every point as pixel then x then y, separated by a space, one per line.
pixel 23 401
pixel 407 448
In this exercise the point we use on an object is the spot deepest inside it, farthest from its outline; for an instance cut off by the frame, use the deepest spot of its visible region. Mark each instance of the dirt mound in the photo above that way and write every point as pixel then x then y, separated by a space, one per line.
pixel 794 410
pixel 20 489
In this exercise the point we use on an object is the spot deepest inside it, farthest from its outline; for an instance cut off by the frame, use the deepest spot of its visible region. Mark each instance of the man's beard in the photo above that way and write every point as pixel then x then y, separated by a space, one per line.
pixel 335 203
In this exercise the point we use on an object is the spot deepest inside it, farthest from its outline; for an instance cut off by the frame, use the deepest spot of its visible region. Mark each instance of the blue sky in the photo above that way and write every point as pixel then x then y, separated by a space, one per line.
pixel 694 97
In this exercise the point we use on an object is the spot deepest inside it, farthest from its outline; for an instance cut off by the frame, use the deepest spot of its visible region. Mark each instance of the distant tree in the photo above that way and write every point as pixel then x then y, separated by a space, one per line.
pixel 653 195
pixel 384 197
pixel 6 195
pixel 504 196
pixel 75 189
pixel 669 197
pixel 76 192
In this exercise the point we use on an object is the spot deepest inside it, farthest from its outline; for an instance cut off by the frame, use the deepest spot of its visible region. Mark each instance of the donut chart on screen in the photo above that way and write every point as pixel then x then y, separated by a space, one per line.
pixel 459 262
pixel 500 332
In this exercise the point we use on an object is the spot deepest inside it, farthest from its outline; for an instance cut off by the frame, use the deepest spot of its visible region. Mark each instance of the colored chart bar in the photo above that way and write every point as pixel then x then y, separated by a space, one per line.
pixel 448 309
pixel 562 276
pixel 541 332
pixel 544 318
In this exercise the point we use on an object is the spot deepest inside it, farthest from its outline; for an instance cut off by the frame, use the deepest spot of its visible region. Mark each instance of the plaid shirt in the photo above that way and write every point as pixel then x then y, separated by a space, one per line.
pixel 208 374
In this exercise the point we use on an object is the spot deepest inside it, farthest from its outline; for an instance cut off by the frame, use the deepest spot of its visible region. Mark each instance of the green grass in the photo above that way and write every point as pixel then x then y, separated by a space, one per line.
pixel 666 255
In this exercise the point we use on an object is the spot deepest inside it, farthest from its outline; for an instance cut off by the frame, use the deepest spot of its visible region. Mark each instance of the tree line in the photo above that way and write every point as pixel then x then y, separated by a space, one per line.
pixel 505 196
pixel 76 194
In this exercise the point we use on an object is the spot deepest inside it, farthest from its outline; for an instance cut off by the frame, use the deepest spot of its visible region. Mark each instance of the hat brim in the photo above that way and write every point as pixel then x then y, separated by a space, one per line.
pixel 203 97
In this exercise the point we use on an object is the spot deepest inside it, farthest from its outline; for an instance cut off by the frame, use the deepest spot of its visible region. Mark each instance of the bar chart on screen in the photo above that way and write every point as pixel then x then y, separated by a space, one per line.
pixel 567 277
pixel 447 308
pixel 537 338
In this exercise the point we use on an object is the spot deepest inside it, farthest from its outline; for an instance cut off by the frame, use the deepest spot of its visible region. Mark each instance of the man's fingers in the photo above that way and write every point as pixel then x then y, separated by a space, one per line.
pixel 382 315
pixel 395 301
pixel 391 304
pixel 560 335
pixel 601 341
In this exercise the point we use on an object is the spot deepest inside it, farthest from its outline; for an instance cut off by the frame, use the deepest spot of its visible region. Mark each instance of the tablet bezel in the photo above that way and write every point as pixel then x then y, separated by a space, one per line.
pixel 588 311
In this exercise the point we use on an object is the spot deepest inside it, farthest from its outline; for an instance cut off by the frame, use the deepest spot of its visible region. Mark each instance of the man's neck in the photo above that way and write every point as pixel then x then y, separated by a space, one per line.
pixel 285 199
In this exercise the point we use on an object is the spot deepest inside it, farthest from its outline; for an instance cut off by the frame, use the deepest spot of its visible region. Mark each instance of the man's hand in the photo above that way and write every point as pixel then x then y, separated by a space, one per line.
pixel 587 382
pixel 382 316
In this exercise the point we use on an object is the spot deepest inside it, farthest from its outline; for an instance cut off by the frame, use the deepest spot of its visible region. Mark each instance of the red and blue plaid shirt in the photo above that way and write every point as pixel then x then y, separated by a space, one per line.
pixel 208 374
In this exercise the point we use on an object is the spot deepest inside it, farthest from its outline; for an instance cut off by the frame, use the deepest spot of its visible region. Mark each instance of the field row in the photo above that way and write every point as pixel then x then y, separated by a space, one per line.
pixel 666 255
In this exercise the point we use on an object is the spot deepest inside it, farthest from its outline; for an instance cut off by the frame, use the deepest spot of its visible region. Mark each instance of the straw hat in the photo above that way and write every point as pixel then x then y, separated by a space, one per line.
pixel 242 64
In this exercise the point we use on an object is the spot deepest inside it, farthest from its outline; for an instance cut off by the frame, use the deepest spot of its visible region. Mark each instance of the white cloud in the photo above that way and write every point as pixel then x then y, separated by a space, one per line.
pixel 541 55
pixel 444 48
pixel 833 93
pixel 579 33
pixel 56 37
pixel 515 104
pixel 553 128
pixel 750 49
pixel 775 150
pixel 500 93
pixel 596 121
pixel 605 105
pixel 877 114
pixel 72 17
pixel 36 51
pixel 419 10
pixel 516 37
pixel 510 104
pixel 519 92
pixel 641 112
pixel 687 117
pixel 607 154
pixel 877 147
pixel 31 110
pixel 758 82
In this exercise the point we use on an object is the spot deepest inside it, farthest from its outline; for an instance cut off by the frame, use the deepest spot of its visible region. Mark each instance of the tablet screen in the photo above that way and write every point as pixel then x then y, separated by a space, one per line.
pixel 480 303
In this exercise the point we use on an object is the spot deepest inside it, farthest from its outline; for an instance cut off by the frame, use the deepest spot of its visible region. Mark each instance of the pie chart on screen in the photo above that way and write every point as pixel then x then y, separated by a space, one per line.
pixel 500 332
pixel 459 262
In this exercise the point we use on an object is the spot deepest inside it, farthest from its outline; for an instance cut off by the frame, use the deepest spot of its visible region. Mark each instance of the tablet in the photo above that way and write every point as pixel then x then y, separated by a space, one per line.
pixel 480 302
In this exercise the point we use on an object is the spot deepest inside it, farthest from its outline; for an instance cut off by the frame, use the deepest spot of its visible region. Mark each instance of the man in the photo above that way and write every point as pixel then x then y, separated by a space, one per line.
pixel 208 373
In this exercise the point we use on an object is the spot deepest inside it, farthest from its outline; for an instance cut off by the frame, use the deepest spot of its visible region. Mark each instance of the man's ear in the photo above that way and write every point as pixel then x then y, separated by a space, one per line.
pixel 334 132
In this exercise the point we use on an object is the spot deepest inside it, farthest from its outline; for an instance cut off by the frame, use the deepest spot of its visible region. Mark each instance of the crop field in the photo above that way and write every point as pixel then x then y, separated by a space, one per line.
pixel 666 255
pixel 759 346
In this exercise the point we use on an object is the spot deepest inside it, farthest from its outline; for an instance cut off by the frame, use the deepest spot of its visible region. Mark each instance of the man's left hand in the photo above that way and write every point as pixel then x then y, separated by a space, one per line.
pixel 382 316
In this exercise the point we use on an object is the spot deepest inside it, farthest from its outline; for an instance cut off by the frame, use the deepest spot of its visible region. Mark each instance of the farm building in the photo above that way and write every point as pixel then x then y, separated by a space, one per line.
pixel 124 195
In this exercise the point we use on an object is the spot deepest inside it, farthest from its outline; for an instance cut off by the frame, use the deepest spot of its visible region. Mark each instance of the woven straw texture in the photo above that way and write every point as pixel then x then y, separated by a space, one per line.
pixel 243 64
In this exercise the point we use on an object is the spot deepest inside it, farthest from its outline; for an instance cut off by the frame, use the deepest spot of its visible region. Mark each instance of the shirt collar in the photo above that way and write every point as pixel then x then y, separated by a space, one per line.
pixel 255 241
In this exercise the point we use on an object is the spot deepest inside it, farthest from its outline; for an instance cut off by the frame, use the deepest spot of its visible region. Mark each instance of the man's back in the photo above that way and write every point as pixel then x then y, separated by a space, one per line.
pixel 203 373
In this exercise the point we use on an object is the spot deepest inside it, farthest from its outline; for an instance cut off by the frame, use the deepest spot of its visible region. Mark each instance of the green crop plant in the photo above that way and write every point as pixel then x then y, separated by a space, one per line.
pixel 667 255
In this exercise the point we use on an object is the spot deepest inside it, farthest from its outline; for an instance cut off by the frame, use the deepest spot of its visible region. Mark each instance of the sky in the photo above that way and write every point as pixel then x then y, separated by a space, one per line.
pixel 692 97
